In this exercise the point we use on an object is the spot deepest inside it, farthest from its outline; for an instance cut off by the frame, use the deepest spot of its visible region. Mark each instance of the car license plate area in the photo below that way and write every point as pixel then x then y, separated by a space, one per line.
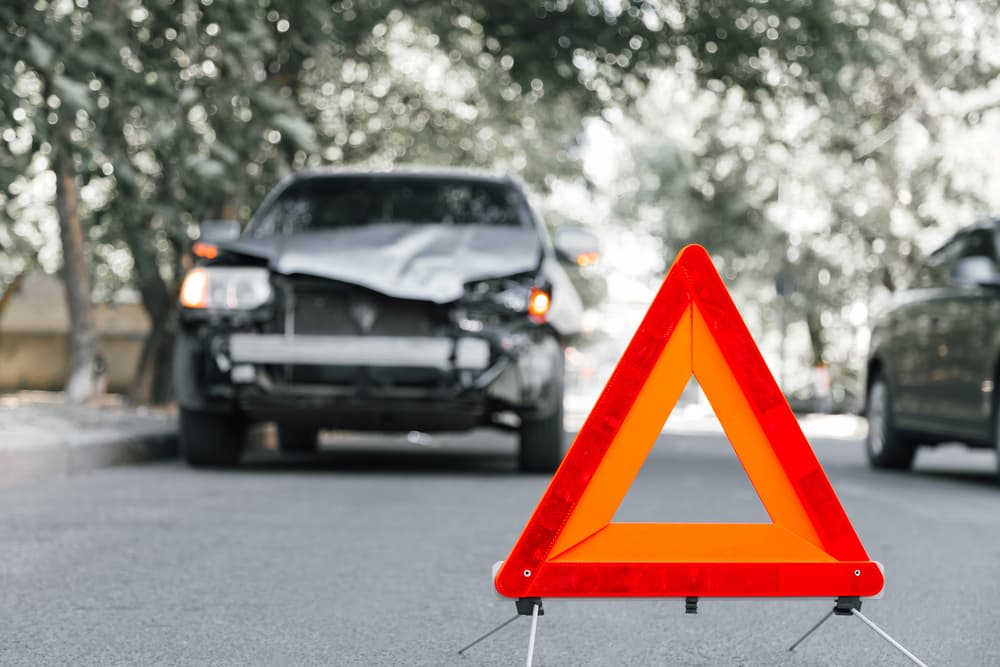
pixel 322 308
pixel 367 351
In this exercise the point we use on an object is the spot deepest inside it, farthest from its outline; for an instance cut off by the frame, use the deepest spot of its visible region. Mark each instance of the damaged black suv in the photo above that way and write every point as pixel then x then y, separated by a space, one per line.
pixel 383 301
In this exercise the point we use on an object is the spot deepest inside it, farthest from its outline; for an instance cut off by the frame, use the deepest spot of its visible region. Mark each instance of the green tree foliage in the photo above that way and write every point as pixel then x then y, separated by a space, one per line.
pixel 832 182
pixel 162 113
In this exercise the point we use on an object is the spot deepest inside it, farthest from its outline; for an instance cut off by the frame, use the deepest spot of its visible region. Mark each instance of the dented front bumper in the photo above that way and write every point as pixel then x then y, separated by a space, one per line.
pixel 376 382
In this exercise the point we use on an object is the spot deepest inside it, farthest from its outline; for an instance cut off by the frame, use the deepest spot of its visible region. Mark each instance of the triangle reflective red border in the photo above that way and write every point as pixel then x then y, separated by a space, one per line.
pixel 570 546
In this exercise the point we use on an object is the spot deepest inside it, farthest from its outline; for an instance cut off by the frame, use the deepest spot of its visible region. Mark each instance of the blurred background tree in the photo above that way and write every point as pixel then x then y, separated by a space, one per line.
pixel 838 184
pixel 823 140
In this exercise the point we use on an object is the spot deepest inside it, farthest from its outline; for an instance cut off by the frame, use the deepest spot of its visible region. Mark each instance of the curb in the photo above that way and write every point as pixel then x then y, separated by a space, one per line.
pixel 75 455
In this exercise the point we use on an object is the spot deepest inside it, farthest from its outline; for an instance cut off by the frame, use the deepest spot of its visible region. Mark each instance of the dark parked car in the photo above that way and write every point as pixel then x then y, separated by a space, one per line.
pixel 387 301
pixel 934 356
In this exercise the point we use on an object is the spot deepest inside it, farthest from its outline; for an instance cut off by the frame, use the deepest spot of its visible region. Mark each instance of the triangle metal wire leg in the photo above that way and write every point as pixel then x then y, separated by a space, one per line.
pixel 534 628
pixel 882 633
pixel 851 606
pixel 811 630
pixel 490 633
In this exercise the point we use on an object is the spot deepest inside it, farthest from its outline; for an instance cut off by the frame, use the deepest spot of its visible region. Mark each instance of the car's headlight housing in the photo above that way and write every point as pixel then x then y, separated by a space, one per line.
pixel 225 288
pixel 511 295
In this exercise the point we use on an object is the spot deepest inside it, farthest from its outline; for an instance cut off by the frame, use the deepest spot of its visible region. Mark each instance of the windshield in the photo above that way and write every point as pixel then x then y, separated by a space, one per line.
pixel 333 203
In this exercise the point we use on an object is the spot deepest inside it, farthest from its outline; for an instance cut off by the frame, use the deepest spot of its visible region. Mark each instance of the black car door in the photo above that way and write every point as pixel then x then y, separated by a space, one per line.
pixel 962 375
pixel 915 348
pixel 905 347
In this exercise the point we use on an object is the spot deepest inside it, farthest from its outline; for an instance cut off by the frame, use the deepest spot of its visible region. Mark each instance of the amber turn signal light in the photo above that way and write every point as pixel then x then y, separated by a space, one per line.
pixel 205 250
pixel 538 304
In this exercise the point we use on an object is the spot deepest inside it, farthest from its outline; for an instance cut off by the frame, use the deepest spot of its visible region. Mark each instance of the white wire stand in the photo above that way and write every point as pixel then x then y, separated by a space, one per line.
pixel 851 606
pixel 843 606
pixel 533 607
pixel 525 607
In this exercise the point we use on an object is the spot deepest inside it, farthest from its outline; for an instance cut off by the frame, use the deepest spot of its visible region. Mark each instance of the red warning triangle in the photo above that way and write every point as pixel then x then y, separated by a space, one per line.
pixel 571 548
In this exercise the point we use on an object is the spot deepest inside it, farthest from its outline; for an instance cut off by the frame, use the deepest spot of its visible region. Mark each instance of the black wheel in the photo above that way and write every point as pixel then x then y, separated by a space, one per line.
pixel 885 447
pixel 996 432
pixel 297 438
pixel 211 439
pixel 541 446
pixel 541 439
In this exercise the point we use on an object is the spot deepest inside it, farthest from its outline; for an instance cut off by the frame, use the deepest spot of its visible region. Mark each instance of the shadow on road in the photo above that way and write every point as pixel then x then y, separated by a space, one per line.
pixel 478 452
pixel 362 460
pixel 978 477
pixel 952 462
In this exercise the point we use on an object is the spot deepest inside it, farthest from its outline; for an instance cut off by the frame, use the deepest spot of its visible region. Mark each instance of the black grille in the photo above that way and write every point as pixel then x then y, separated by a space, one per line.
pixel 330 308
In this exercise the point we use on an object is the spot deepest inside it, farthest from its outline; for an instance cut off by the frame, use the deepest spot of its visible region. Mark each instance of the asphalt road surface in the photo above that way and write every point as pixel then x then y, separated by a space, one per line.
pixel 379 553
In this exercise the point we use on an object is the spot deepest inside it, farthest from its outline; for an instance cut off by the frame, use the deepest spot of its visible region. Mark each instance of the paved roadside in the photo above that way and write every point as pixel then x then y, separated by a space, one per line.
pixel 43 438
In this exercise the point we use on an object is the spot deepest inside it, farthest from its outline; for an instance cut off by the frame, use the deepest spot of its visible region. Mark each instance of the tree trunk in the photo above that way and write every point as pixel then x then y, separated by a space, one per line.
pixel 152 382
pixel 8 292
pixel 816 336
pixel 86 371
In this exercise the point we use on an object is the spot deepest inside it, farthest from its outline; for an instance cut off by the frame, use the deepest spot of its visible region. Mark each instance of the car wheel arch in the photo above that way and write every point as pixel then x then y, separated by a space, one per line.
pixel 995 421
pixel 996 371
pixel 876 368
pixel 885 445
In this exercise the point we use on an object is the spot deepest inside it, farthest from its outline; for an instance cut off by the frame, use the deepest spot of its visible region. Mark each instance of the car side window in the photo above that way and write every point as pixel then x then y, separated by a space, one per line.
pixel 935 270
pixel 924 277
pixel 979 243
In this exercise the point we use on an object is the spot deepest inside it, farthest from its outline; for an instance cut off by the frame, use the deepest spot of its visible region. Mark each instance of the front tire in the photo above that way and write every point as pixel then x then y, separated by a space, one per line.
pixel 211 439
pixel 298 439
pixel 541 444
pixel 996 433
pixel 885 447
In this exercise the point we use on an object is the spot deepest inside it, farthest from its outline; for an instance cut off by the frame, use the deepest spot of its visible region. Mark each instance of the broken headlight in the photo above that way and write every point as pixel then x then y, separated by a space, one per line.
pixel 502 296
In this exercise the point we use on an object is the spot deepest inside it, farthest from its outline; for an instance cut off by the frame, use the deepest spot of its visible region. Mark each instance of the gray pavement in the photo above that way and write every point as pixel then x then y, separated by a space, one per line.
pixel 42 437
pixel 379 552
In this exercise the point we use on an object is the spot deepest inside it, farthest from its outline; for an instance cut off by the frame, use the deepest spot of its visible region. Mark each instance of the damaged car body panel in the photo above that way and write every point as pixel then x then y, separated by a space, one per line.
pixel 378 301
pixel 430 262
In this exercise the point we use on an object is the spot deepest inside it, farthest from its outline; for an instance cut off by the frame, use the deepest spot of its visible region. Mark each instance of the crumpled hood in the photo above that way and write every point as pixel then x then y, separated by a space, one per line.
pixel 428 262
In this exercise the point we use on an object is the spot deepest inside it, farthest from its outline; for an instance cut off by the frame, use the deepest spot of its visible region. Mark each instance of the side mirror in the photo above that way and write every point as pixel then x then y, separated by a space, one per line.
pixel 218 231
pixel 577 246
pixel 975 270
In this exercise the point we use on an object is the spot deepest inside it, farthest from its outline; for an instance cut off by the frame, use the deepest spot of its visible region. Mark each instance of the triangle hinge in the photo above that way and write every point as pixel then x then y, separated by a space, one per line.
pixel 526 605
pixel 845 605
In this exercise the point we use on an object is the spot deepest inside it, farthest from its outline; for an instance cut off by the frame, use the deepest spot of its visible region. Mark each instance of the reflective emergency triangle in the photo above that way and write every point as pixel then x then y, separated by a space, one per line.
pixel 570 548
